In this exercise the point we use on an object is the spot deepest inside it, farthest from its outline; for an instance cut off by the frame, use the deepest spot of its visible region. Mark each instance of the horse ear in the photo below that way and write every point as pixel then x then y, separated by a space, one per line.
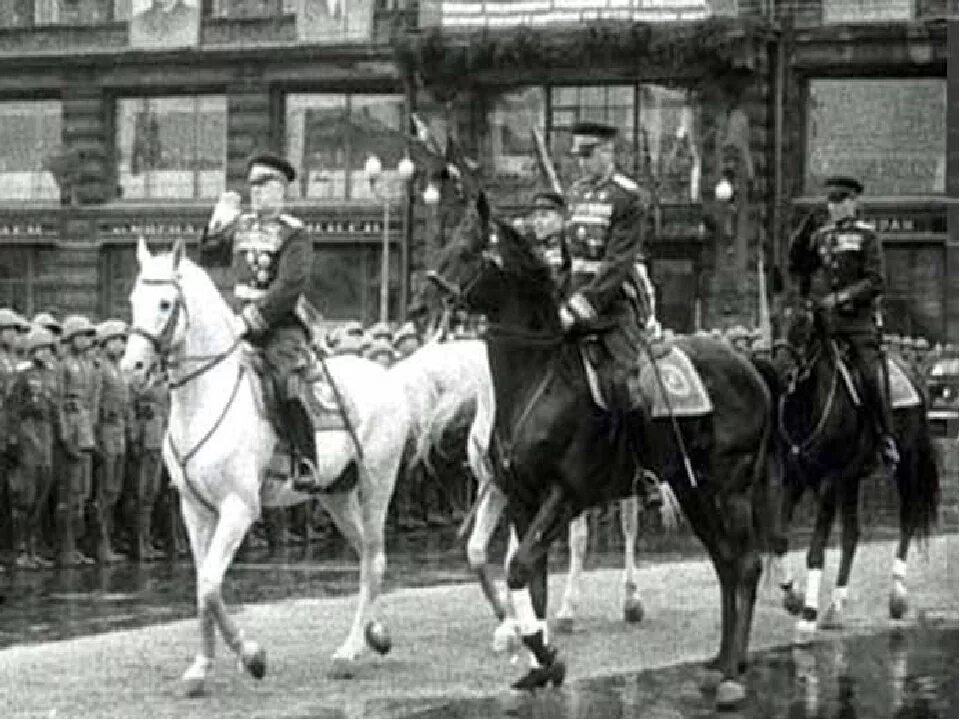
pixel 177 253
pixel 143 252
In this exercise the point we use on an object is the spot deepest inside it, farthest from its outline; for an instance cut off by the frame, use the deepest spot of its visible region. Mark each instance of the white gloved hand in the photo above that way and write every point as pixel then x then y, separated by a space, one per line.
pixel 567 318
pixel 225 211
pixel 239 325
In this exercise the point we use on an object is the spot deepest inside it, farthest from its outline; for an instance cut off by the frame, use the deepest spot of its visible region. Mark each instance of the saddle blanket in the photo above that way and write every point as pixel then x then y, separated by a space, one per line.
pixel 902 392
pixel 686 394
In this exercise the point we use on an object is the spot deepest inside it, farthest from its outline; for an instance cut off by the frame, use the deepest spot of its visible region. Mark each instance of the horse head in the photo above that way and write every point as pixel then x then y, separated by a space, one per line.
pixel 802 346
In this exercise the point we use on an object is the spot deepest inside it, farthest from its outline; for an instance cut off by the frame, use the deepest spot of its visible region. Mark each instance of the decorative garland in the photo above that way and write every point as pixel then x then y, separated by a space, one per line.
pixel 715 45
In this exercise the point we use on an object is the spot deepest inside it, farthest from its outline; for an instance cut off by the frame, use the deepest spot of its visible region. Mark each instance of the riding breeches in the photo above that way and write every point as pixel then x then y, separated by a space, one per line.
pixel 866 358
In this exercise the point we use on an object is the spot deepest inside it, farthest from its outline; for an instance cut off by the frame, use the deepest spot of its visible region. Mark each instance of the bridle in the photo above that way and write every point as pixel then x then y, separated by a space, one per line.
pixel 163 344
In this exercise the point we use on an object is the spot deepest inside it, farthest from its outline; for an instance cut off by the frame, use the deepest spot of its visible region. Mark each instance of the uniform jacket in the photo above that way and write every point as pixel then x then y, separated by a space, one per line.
pixel 8 376
pixel 843 258
pixel 79 387
pixel 34 415
pixel 115 410
pixel 604 233
pixel 270 263
pixel 151 407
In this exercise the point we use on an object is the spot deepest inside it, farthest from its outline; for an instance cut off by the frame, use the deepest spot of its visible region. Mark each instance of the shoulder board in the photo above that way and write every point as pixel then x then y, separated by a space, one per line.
pixel 625 182
pixel 290 220
pixel 861 225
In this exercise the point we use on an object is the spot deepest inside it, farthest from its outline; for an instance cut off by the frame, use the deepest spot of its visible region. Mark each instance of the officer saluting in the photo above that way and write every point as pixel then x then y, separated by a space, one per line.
pixel 841 266
pixel 270 257
pixel 604 233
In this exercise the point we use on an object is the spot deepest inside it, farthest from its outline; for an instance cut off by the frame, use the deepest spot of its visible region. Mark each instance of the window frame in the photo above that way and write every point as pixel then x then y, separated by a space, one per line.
pixel 112 104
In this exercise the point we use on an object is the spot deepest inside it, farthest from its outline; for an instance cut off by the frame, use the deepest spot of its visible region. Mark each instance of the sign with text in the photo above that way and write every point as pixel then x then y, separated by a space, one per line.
pixel 477 14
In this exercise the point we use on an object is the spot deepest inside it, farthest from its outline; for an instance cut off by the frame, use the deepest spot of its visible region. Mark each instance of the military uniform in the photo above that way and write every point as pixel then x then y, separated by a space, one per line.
pixel 9 326
pixel 79 408
pixel 270 261
pixel 114 419
pixel 146 445
pixel 841 266
pixel 33 415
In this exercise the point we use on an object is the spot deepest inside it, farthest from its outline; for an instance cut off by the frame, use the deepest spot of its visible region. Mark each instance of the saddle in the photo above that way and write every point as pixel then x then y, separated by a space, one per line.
pixel 903 393
pixel 668 384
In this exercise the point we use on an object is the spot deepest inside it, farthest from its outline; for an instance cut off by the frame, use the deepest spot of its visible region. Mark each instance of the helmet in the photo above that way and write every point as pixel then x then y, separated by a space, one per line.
pixel 921 343
pixel 379 347
pixel 48 321
pixel 407 331
pixel 39 337
pixel 110 329
pixel 380 331
pixel 8 318
pixel 77 325
pixel 738 332
pixel 23 325
pixel 352 327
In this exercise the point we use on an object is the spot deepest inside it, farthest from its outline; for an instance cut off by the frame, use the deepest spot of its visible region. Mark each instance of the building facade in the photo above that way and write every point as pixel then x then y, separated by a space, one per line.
pixel 121 120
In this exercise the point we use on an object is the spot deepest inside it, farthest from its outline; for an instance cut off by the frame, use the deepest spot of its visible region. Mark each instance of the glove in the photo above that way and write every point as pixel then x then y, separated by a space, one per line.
pixel 567 318
pixel 239 325
pixel 225 212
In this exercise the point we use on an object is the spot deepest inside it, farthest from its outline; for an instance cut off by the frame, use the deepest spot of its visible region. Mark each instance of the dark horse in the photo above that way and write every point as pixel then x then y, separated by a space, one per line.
pixel 827 444
pixel 557 453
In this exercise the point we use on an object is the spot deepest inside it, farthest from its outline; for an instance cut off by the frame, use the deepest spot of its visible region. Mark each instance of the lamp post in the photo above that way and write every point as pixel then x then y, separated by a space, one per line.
pixel 374 170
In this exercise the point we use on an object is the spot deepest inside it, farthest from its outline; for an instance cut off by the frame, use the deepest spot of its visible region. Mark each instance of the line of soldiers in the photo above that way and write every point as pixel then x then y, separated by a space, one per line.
pixel 81 463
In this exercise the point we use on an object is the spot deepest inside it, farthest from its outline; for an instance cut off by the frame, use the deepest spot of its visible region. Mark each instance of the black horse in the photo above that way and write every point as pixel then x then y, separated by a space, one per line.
pixel 557 453
pixel 827 443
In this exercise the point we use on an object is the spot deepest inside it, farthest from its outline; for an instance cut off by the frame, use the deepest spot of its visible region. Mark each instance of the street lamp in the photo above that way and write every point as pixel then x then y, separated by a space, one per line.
pixel 374 171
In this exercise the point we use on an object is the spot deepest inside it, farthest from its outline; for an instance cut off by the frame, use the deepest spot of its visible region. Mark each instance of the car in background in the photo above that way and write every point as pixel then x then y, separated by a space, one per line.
pixel 942 391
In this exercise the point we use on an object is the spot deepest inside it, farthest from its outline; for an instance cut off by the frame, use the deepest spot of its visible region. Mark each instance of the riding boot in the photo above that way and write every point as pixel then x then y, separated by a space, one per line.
pixel 876 399
pixel 645 481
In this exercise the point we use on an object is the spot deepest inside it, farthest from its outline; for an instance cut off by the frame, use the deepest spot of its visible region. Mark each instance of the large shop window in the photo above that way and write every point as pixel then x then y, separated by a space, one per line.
pixel 27 284
pixel 345 282
pixel 330 136
pixel 890 133
pixel 171 147
pixel 658 143
pixel 30 146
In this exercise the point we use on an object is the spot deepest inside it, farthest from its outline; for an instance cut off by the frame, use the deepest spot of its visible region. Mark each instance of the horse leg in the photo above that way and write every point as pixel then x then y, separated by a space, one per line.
pixel 907 477
pixel 632 606
pixel 492 504
pixel 236 517
pixel 345 510
pixel 200 527
pixel 537 535
pixel 807 624
pixel 782 575
pixel 849 502
pixel 578 534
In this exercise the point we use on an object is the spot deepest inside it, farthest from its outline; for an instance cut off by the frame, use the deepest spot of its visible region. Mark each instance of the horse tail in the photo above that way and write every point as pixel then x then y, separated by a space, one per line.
pixel 918 483
pixel 449 409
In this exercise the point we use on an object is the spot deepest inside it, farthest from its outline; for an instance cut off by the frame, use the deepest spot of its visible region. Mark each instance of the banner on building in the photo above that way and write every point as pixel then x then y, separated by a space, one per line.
pixel 159 24
pixel 475 14
pixel 334 21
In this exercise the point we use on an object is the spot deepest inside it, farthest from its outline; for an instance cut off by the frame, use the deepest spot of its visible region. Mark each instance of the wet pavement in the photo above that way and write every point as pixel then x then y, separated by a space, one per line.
pixel 909 673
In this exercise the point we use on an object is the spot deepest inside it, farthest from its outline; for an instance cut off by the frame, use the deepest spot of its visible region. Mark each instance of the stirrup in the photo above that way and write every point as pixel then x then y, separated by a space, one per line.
pixel 888 450
pixel 305 475
pixel 649 486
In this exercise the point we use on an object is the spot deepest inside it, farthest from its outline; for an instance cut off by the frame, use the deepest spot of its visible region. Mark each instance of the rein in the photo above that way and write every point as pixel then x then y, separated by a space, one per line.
pixel 805 445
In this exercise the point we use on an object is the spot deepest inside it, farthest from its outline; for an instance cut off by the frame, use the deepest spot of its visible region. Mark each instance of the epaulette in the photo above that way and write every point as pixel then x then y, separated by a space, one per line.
pixel 625 182
pixel 293 222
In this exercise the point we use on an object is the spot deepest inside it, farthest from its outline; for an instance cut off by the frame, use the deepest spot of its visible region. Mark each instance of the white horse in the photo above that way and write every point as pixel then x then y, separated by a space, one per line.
pixel 441 379
pixel 219 442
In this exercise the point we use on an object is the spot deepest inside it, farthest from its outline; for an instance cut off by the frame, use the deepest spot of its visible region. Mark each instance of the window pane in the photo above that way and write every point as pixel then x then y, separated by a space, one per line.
pixel 345 282
pixel 330 137
pixel 669 142
pixel 14 13
pixel 890 133
pixel 71 12
pixel 14 266
pixel 511 121
pixel 30 143
pixel 171 147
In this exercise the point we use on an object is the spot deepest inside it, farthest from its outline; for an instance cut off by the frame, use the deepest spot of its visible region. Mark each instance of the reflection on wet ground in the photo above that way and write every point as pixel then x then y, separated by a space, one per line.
pixel 902 673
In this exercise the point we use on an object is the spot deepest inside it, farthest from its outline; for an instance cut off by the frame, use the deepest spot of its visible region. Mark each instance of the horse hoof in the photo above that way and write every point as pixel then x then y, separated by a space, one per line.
pixel 538 677
pixel 377 637
pixel 193 687
pixel 730 693
pixel 832 618
pixel 256 663
pixel 633 611
pixel 563 625
pixel 898 606
pixel 506 638
pixel 342 669
pixel 792 601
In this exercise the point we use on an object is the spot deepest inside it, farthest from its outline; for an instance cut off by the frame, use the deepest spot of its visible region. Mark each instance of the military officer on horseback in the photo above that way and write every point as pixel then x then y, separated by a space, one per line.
pixel 840 266
pixel 270 256
pixel 607 288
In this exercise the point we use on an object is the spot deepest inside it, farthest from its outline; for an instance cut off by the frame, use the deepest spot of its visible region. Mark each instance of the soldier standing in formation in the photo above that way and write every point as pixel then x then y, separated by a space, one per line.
pixel 80 395
pixel 9 334
pixel 841 267
pixel 113 425
pixel 33 415
pixel 146 444
pixel 604 232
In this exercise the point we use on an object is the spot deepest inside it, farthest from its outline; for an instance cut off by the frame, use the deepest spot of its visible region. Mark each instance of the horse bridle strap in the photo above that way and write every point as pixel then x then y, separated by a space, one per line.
pixel 803 446
pixel 182 460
